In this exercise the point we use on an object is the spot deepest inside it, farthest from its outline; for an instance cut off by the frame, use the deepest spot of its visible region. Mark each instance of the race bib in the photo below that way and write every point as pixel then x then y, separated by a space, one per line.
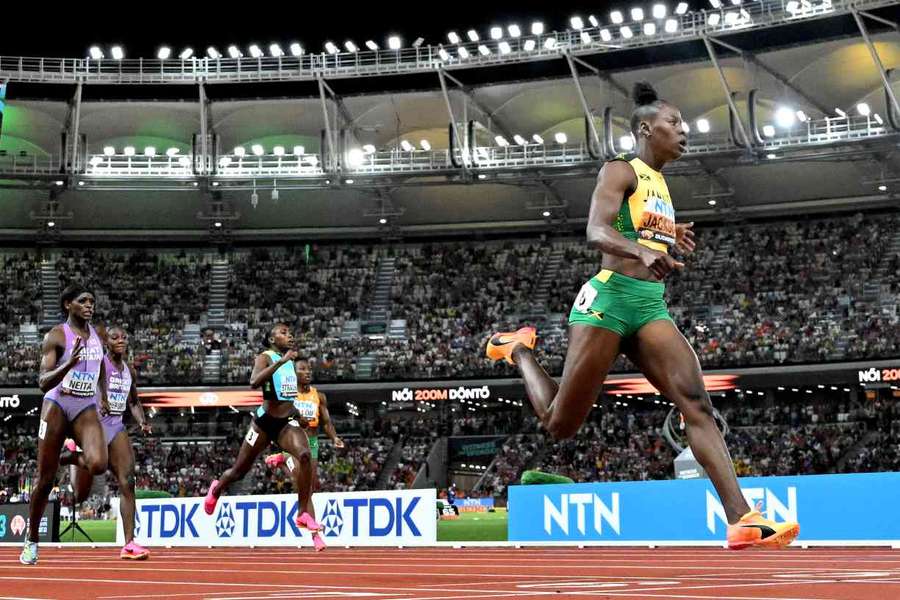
pixel 80 383
pixel 658 222
pixel 117 402
pixel 585 298
pixel 288 387
pixel 308 410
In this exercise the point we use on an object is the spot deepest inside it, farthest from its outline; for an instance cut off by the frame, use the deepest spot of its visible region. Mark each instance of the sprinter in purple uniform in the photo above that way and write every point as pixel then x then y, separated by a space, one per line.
pixel 73 380
pixel 121 389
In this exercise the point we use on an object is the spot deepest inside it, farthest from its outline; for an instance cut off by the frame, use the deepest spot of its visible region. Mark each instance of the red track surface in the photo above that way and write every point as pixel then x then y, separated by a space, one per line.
pixel 447 574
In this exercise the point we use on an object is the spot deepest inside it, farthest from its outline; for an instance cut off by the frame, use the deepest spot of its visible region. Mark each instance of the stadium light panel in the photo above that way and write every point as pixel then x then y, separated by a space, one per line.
pixel 95 52
pixel 426 145
pixel 736 2
pixel 394 42
pixel 703 125
pixel 529 45
pixel 224 162
pixel 164 53
pixel 732 17
pixel 546 213
pixel 186 53
pixel 801 116
pixel 671 25
pixel 711 202
pixel 371 45
pixel 128 151
pixel 96 160
pixel 299 151
pixel 239 151
pixel 626 32
pixel 771 156
pixel 586 37
pixel 593 21
pixel 473 35
pixel 626 142
pixel 150 151
pixel 713 19
pixel 550 43
pixel 769 131
pixel 682 8
pixel 330 48
pixel 350 46
pixel 882 188
pixel 520 140
pixel 637 14
pixel 792 6
pixel 537 139
pixel 453 37
pixel 355 157
pixel 383 221
pixel 537 28
pixel 257 149
pixel 213 53
pixel 368 149
pixel 785 117
pixel 501 141
pixel 51 224
pixel 605 35
pixel 484 49
pixel 496 33
pixel 117 53
pixel 407 146
pixel 878 119
pixel 275 50
pixel 296 49
pixel 514 31
pixel 278 150
pixel 504 47
pixel 863 109
pixel 172 152
pixel 649 28
pixel 576 23
pixel 561 138
pixel 255 51
pixel 233 52
pixel 463 52
pixel 109 151
pixel 840 113
pixel 445 56
pixel 616 17
pixel 659 11
pixel 715 3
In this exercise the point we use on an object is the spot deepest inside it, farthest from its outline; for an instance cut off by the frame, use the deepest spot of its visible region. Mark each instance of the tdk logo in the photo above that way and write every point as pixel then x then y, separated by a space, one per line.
pixel 584 504
pixel 332 519
pixel 225 521
pixel 385 517
pixel 170 520
pixel 775 509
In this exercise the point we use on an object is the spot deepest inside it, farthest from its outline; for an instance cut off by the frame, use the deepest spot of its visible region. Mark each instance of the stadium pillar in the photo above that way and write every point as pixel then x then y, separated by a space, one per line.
pixel 204 145
pixel 331 163
pixel 745 139
pixel 454 125
pixel 876 59
pixel 592 127
pixel 72 166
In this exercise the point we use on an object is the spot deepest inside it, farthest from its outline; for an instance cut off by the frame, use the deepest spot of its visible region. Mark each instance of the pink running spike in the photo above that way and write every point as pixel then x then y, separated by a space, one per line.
pixel 273 461
pixel 307 522
pixel 134 551
pixel 318 542
pixel 209 503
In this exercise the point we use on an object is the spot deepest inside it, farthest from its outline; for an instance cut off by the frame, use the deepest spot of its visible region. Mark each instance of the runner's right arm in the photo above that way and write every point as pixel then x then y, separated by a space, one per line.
pixel 51 375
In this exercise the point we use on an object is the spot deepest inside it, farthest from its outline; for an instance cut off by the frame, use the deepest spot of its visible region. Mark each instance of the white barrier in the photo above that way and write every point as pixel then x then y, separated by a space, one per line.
pixel 377 518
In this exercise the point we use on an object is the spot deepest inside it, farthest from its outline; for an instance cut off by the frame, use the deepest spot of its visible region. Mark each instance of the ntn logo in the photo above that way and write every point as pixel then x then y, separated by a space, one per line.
pixel 773 506
pixel 559 514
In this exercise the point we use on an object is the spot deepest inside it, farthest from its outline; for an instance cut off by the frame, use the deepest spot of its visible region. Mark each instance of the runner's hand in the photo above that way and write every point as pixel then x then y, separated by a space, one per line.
pixel 77 352
pixel 659 263
pixel 338 443
pixel 685 242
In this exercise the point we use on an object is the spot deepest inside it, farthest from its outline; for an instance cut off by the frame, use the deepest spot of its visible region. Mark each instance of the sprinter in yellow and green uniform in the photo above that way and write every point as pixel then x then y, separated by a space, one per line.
pixel 632 226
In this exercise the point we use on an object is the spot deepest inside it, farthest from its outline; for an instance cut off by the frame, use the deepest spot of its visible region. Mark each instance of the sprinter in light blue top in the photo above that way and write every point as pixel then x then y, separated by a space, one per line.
pixel 273 371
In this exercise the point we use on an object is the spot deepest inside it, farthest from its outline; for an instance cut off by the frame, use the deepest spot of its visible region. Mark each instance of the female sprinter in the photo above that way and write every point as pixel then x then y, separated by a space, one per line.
pixel 121 386
pixel 273 370
pixel 73 381
pixel 621 309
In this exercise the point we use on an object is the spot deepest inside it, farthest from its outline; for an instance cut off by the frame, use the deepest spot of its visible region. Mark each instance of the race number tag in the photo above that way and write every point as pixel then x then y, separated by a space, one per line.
pixel 42 429
pixel 290 463
pixel 585 298
pixel 308 410
pixel 251 436
pixel 117 402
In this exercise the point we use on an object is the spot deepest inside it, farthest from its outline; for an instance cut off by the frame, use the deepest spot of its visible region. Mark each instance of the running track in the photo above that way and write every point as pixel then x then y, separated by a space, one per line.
pixel 455 574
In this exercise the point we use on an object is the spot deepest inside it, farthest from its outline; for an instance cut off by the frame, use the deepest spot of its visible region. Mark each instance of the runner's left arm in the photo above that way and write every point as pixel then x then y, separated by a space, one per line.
pixel 135 406
pixel 327 425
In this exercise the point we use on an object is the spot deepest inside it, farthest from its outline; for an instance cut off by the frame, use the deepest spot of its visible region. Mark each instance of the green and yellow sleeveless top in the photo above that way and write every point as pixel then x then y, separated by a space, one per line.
pixel 647 216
